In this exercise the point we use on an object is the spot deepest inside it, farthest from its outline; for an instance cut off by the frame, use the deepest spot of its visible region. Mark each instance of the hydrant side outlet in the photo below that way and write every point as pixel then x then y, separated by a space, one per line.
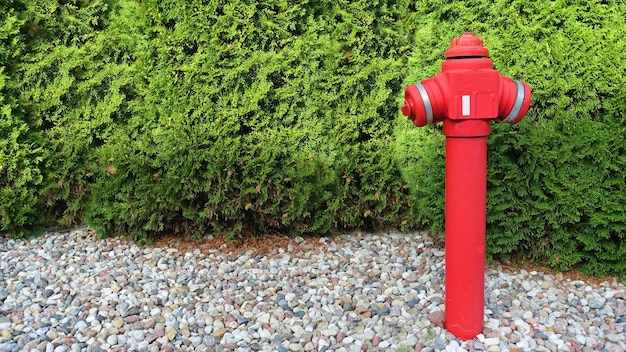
pixel 515 100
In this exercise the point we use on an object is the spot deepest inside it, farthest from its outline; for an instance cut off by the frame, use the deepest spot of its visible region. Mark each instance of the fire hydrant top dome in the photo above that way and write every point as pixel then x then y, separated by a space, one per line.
pixel 467 45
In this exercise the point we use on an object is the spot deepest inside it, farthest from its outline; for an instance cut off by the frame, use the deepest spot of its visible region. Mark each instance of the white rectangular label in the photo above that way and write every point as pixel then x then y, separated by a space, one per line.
pixel 465 105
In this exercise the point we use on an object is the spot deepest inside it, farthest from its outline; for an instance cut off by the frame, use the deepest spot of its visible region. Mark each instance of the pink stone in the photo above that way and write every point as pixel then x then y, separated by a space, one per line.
pixel 437 318
pixel 131 319
pixel 148 323
pixel 151 337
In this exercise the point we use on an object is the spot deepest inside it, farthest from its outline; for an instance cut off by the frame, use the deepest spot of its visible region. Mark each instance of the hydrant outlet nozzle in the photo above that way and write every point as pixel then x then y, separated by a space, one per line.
pixel 406 109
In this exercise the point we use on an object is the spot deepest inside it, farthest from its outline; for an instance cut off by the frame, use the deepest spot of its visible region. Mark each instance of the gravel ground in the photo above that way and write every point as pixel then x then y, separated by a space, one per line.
pixel 371 292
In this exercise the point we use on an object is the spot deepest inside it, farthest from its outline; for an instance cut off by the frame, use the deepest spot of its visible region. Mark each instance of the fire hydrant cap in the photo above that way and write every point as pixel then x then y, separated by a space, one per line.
pixel 467 45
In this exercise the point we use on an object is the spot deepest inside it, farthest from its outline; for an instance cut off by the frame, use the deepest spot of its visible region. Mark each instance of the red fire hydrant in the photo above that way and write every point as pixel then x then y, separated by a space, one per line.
pixel 467 95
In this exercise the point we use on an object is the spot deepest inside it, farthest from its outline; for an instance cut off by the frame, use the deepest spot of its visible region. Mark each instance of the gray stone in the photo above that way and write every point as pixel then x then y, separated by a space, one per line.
pixel 597 303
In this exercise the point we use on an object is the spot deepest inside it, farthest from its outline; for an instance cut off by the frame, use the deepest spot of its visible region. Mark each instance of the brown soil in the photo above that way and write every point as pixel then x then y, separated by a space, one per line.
pixel 572 275
pixel 264 245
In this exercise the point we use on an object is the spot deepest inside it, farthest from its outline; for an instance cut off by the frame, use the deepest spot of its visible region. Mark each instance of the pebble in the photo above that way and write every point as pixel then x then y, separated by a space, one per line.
pixel 361 292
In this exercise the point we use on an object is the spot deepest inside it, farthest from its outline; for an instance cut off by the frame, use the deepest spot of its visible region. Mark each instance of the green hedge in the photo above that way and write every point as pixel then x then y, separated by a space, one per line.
pixel 558 192
pixel 64 82
pixel 258 117
pixel 236 118
pixel 21 154
pixel 556 181
pixel 145 117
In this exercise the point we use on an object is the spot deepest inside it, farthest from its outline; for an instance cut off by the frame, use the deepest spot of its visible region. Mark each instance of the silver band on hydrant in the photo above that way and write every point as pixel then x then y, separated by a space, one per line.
pixel 427 106
pixel 517 106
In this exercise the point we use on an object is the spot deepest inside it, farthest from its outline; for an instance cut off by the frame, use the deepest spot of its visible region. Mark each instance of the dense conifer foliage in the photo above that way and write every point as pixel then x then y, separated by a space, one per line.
pixel 195 117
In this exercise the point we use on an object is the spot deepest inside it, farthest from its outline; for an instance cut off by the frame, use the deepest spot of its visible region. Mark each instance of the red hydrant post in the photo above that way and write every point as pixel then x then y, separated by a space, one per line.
pixel 467 95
